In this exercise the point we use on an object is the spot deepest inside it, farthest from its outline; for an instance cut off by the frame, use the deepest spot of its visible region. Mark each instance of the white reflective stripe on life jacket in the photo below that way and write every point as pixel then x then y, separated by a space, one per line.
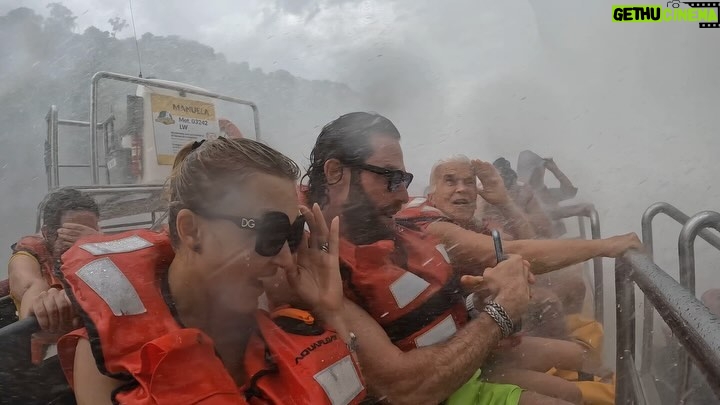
pixel 124 245
pixel 110 284
pixel 438 333
pixel 52 351
pixel 340 381
pixel 428 208
pixel 441 248
pixel 406 288
pixel 415 202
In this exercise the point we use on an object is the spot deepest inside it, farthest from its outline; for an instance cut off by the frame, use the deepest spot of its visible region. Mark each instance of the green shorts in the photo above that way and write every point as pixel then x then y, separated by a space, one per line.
pixel 476 392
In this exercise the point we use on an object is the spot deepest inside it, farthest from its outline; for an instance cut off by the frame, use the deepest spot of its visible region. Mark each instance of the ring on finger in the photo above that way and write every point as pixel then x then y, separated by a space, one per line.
pixel 325 247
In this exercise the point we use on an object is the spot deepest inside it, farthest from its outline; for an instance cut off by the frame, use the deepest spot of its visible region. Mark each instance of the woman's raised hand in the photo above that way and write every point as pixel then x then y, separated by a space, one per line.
pixel 317 277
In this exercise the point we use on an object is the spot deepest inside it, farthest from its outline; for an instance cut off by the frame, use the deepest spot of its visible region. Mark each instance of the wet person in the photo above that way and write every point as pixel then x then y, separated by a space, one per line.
pixel 424 347
pixel 546 255
pixel 446 219
pixel 172 317
pixel 523 196
pixel 531 170
pixel 68 215
pixel 453 173
pixel 452 187
pixel 453 183
pixel 567 284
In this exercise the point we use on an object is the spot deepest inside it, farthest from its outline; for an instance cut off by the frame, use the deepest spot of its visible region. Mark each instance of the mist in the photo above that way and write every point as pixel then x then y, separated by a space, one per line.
pixel 628 111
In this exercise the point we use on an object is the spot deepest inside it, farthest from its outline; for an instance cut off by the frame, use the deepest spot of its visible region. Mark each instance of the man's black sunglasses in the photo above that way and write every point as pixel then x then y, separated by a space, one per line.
pixel 273 230
pixel 395 178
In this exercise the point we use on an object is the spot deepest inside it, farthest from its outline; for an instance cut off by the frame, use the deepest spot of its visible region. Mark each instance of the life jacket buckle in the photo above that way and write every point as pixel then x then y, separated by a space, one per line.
pixel 293 313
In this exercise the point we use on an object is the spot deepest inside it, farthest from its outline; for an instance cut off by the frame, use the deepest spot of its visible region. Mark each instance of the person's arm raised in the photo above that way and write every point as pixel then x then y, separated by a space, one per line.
pixel 467 247
pixel 567 189
pixel 495 193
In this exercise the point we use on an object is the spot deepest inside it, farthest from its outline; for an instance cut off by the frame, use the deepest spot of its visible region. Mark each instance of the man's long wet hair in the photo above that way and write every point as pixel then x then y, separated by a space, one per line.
pixel 346 139
pixel 63 200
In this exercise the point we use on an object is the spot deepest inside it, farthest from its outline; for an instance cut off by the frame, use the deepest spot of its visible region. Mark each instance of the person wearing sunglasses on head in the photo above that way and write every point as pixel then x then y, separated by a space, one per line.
pixel 172 318
pixel 405 302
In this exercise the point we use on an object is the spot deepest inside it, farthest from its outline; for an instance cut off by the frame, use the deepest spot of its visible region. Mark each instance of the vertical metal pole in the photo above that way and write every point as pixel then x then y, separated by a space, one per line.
pixel 256 119
pixel 695 327
pixel 581 227
pixel 585 265
pixel 597 268
pixel 93 129
pixel 686 251
pixel 48 149
pixel 107 128
pixel 624 329
pixel 54 163
pixel 648 314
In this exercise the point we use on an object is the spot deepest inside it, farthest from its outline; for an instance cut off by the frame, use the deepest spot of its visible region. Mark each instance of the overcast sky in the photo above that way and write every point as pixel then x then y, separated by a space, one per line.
pixel 316 39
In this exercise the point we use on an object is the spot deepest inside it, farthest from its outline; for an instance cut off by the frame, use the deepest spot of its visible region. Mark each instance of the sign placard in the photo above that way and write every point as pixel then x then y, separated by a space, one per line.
pixel 178 121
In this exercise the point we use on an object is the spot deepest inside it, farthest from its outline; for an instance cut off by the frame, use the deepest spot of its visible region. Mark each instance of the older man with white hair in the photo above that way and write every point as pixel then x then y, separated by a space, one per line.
pixel 453 190
pixel 448 211
pixel 448 214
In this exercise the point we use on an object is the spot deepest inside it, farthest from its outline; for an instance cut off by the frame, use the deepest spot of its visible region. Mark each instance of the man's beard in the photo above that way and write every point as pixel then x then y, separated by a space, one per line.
pixel 362 219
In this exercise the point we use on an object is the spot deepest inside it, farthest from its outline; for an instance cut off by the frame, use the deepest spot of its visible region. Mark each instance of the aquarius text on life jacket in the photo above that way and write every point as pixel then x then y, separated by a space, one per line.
pixel 314 346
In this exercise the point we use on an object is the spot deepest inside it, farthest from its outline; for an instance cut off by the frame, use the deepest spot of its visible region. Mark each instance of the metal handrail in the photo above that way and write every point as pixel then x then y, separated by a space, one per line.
pixel 52 169
pixel 686 252
pixel 695 327
pixel 624 335
pixel 157 223
pixel 105 189
pixel 647 236
pixel 152 83
pixel 674 213
pixel 588 211
pixel 686 244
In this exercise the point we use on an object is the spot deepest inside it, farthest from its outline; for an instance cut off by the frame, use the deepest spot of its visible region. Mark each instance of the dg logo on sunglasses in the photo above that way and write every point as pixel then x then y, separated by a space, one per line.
pixel 247 223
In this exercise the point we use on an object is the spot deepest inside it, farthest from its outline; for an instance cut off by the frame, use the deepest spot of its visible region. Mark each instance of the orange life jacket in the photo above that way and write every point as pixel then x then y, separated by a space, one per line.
pixel 420 213
pixel 414 295
pixel 37 247
pixel 118 283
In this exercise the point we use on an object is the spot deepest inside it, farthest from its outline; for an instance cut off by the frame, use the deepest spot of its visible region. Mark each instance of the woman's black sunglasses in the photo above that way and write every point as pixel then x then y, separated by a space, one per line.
pixel 395 178
pixel 273 230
